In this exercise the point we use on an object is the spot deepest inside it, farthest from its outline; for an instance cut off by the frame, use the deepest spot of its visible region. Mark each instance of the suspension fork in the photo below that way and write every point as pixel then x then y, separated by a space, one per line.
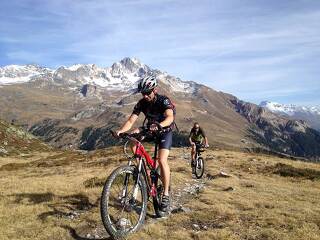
pixel 126 181
pixel 136 184
pixel 151 181
pixel 125 185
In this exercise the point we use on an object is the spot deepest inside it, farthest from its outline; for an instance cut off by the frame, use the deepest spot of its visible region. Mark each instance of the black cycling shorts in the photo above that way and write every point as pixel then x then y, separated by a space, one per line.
pixel 166 140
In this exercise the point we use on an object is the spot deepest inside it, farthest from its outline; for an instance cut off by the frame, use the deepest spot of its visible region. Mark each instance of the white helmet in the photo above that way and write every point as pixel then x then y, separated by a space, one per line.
pixel 148 83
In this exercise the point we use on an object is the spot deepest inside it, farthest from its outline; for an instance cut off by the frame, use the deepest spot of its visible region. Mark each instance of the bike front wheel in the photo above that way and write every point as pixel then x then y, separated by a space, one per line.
pixel 127 150
pixel 199 167
pixel 123 202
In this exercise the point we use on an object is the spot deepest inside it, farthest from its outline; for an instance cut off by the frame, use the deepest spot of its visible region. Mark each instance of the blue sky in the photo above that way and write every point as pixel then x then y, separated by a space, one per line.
pixel 255 50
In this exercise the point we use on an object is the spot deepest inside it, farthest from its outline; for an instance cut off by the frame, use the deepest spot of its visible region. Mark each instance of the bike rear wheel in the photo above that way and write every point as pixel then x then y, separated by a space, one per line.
pixel 156 200
pixel 199 167
pixel 123 202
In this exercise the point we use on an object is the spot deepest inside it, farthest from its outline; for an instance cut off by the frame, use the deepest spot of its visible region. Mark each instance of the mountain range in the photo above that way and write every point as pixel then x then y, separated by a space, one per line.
pixel 76 106
pixel 310 114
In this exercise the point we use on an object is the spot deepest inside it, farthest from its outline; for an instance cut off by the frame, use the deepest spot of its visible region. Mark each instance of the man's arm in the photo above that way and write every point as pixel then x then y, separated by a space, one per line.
pixel 169 118
pixel 205 138
pixel 190 137
pixel 206 141
pixel 190 141
pixel 128 124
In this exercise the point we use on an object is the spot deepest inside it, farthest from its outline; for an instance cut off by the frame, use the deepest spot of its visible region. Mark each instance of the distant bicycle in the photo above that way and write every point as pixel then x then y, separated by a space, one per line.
pixel 127 190
pixel 198 164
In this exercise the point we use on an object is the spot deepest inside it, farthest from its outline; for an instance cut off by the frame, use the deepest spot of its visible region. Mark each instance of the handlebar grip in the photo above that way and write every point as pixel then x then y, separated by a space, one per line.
pixel 121 135
pixel 113 133
pixel 158 125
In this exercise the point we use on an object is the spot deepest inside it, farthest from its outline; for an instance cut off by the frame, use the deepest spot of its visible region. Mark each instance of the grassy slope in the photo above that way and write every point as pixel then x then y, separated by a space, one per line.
pixel 15 140
pixel 48 196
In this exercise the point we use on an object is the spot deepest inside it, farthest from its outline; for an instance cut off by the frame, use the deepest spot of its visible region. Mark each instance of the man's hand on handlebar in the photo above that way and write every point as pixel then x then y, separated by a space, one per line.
pixel 117 133
pixel 156 126
pixel 136 130
pixel 153 127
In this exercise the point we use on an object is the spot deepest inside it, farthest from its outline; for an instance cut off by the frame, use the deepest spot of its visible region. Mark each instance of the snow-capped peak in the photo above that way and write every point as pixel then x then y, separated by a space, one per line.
pixel 289 109
pixel 74 67
pixel 12 74
pixel 122 75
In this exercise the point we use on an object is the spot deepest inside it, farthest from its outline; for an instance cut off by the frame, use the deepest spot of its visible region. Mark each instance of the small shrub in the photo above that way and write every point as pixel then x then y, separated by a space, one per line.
pixel 285 170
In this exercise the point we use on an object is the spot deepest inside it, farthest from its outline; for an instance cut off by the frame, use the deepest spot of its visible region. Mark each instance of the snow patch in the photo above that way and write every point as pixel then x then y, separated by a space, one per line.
pixel 74 67
pixel 289 109
pixel 121 76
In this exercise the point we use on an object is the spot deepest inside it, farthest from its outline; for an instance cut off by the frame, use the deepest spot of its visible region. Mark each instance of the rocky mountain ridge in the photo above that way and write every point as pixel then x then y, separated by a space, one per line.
pixel 309 114
pixel 280 134
pixel 76 107
pixel 122 75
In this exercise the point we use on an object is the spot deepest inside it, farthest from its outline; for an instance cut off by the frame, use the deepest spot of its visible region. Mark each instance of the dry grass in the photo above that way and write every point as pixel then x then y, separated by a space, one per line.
pixel 55 195
pixel 272 199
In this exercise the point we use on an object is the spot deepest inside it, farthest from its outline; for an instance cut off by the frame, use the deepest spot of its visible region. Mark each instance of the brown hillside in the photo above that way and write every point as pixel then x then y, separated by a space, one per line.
pixel 56 196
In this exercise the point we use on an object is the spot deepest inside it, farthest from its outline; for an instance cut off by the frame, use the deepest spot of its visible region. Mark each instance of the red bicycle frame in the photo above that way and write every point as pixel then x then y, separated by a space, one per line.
pixel 141 152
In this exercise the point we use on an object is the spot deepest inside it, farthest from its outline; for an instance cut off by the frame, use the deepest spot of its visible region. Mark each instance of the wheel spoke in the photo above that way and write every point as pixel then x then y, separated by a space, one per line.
pixel 123 213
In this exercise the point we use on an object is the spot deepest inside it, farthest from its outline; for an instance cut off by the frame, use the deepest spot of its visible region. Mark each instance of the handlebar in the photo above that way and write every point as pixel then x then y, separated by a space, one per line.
pixel 160 128
pixel 123 135
pixel 201 145
pixel 145 131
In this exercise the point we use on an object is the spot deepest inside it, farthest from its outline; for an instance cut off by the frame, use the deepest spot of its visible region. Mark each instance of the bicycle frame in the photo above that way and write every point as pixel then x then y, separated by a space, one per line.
pixel 140 155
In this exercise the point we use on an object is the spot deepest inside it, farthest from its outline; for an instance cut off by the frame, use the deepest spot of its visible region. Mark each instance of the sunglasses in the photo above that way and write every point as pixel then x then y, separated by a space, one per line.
pixel 146 93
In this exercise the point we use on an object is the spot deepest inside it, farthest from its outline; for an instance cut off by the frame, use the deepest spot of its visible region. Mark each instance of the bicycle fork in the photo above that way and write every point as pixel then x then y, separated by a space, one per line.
pixel 136 184
pixel 135 187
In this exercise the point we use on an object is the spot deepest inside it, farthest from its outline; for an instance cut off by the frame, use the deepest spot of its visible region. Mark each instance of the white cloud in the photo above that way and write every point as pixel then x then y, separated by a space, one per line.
pixel 242 47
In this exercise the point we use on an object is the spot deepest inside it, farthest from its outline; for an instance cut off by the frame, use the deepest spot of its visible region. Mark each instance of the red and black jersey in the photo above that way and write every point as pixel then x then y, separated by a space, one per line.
pixel 155 110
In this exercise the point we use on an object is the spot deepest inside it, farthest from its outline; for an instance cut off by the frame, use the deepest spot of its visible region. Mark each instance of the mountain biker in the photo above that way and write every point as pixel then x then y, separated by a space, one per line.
pixel 156 108
pixel 197 136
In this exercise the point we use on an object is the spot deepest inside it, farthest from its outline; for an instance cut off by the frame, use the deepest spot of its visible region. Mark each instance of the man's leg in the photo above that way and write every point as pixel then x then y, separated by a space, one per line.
pixel 165 145
pixel 193 155
pixel 193 152
pixel 165 169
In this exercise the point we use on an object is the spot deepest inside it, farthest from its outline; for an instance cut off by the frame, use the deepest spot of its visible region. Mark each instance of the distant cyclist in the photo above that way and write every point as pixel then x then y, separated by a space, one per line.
pixel 156 108
pixel 197 136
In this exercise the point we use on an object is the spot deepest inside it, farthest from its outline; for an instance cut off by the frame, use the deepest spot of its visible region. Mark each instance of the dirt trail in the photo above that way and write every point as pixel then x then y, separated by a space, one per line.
pixel 180 196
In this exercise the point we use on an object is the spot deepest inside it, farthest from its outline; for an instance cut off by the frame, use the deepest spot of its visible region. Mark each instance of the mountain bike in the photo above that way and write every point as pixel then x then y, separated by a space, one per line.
pixel 198 164
pixel 128 188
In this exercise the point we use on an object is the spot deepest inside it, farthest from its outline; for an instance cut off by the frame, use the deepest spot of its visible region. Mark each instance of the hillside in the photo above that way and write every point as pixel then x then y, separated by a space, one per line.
pixel 265 197
pixel 280 134
pixel 15 140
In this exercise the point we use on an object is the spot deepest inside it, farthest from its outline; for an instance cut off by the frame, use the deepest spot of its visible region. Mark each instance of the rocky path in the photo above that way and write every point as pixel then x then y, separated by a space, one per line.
pixel 180 196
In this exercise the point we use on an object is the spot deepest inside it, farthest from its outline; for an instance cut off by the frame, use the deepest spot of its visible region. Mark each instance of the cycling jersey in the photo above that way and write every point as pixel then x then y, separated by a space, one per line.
pixel 155 110
pixel 197 136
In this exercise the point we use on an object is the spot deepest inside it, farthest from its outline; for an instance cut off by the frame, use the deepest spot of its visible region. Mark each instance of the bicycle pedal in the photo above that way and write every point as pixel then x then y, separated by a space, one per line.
pixel 164 215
